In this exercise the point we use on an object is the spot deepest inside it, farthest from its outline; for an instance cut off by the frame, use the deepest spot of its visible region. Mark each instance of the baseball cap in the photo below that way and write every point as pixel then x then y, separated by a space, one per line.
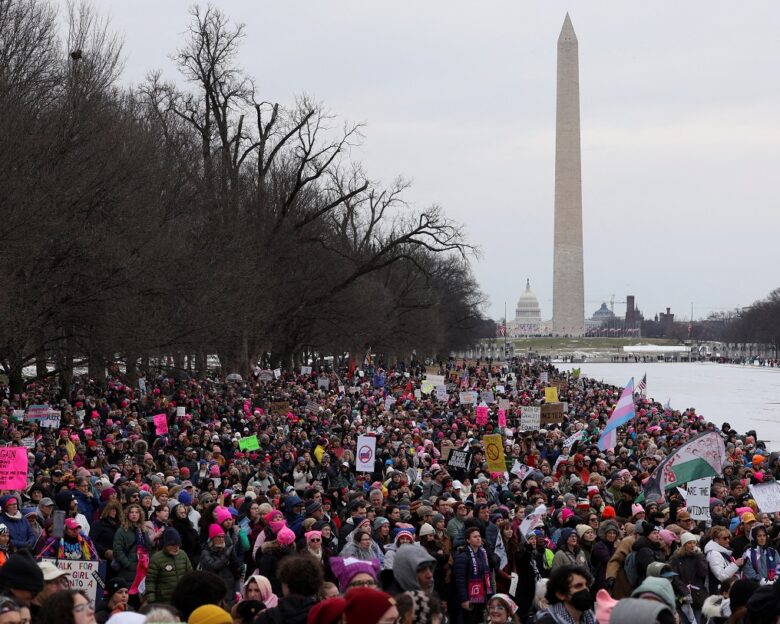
pixel 51 571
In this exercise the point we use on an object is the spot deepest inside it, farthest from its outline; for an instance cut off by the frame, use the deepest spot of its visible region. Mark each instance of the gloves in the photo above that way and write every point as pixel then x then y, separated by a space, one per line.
pixel 687 599
pixel 609 584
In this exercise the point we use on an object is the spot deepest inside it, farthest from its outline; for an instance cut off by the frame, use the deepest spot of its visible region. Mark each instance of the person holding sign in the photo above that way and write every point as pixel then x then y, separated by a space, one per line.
pixel 72 546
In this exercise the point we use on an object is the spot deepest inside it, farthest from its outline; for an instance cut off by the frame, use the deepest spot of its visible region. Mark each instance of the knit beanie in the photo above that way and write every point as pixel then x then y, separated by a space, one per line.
pixel 688 537
pixel 185 498
pixel 582 529
pixel 210 614
pixel 609 512
pixel 426 529
pixel 221 514
pixel 365 605
pixel 21 572
pixel 635 611
pixel 604 606
pixel 285 536
pixel 327 611
pixel 346 569
pixel 113 585
pixel 215 530
pixel 637 509
pixel 171 537
pixel 275 520
pixel 565 533
pixel 658 587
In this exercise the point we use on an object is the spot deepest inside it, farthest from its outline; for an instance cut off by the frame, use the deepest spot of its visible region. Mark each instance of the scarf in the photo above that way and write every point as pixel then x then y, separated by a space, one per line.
pixel 482 563
pixel 561 615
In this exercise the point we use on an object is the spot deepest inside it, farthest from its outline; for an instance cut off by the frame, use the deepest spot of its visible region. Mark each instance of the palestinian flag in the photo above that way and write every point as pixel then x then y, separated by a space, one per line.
pixel 701 457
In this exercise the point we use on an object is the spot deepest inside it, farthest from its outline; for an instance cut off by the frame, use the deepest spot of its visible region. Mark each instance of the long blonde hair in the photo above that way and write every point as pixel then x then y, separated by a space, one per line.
pixel 127 524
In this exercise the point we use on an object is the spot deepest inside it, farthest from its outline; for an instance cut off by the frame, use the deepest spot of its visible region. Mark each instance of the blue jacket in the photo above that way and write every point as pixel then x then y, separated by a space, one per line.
pixel 20 531
pixel 87 505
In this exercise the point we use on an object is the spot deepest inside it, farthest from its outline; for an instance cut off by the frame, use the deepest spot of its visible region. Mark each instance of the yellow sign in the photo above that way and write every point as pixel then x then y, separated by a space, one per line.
pixel 551 395
pixel 494 452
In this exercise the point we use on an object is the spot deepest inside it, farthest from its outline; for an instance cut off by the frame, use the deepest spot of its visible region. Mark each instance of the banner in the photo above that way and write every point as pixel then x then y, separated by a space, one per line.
pixel 530 417
pixel 13 468
pixel 767 496
pixel 701 457
pixel 494 452
pixel 249 443
pixel 160 424
pixel 697 499
pixel 459 459
pixel 366 452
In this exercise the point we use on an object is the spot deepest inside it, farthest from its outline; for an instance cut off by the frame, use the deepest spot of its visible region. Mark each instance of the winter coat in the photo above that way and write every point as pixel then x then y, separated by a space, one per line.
pixel 646 553
pixel 760 563
pixel 720 560
pixel 223 563
pixel 190 540
pixel 566 557
pixel 692 570
pixel 268 557
pixel 292 609
pixel 602 553
pixel 126 552
pixel 102 534
pixel 463 572
pixel 622 588
pixel 19 530
pixel 164 573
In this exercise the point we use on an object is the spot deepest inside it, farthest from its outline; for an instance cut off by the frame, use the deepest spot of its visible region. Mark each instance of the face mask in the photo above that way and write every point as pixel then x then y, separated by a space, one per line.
pixel 582 600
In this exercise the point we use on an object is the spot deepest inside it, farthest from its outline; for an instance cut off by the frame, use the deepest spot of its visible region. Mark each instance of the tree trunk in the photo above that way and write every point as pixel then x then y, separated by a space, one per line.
pixel 16 379
pixel 40 363
pixel 131 366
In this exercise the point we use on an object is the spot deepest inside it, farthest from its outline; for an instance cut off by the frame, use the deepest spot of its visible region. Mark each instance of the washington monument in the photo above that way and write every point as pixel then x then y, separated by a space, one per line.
pixel 568 287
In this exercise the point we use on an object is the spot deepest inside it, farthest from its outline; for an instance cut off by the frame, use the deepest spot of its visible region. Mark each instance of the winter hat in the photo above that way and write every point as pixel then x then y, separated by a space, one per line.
pixel 285 536
pixel 582 529
pixel 668 537
pixel 609 512
pixel 275 520
pixel 221 514
pixel 379 521
pixel 365 605
pixel 688 537
pixel 508 602
pixel 185 498
pixel 658 587
pixel 171 537
pixel 113 585
pixel 327 611
pixel 426 529
pixel 311 534
pixel 566 513
pixel 661 569
pixel 247 610
pixel 210 614
pixel 72 523
pixel 637 509
pixel 565 533
pixel 215 530
pixel 106 493
pixel 346 569
pixel 634 611
pixel 604 606
pixel 126 617
pixel 21 572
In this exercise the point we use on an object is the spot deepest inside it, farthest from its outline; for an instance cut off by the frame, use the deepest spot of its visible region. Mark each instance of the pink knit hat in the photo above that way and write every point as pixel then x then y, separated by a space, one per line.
pixel 221 514
pixel 215 530
pixel 637 509
pixel 604 605
pixel 285 537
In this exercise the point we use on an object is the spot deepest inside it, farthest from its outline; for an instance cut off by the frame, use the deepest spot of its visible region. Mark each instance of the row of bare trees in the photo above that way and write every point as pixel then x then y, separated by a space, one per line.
pixel 194 217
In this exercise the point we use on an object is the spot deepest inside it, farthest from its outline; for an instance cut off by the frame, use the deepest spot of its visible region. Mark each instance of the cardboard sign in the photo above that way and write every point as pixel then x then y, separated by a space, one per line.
pixel 530 418
pixel 87 576
pixel 494 452
pixel 249 443
pixel 441 393
pixel 279 408
pixel 305 370
pixel 181 411
pixel 767 496
pixel 468 398
pixel 161 424
pixel 366 452
pixel 459 459
pixel 551 395
pixel 487 397
pixel 697 499
pixel 323 383
pixel 552 414
pixel 13 468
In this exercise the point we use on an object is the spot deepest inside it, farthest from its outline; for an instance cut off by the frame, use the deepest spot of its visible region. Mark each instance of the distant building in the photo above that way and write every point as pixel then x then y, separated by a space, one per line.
pixel 528 315
pixel 666 321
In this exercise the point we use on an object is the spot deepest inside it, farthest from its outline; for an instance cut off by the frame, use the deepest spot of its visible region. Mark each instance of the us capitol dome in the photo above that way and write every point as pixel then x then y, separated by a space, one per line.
pixel 528 315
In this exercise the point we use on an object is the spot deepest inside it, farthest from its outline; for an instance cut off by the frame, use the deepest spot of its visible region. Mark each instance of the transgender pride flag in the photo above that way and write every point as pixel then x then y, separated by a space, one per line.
pixel 623 413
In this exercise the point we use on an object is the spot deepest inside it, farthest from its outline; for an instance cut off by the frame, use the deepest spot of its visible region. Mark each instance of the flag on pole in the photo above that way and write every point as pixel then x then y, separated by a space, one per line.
pixel 624 412
pixel 642 384
pixel 701 457
pixel 367 359
pixel 464 380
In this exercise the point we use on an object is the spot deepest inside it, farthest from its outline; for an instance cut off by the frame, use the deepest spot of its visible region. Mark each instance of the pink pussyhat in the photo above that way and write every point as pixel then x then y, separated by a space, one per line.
pixel 604 605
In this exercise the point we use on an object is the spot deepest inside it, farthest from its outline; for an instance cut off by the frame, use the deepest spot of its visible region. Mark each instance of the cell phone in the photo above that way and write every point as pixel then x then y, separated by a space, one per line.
pixel 58 524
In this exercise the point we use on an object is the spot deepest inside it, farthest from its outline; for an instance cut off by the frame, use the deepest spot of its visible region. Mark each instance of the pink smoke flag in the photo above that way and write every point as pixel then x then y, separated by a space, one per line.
pixel 624 412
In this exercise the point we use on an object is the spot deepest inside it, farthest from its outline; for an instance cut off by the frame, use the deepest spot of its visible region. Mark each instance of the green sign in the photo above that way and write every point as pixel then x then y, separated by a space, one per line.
pixel 249 443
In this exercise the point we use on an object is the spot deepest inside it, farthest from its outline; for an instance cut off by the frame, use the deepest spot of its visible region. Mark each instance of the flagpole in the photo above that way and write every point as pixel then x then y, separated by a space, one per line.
pixel 505 332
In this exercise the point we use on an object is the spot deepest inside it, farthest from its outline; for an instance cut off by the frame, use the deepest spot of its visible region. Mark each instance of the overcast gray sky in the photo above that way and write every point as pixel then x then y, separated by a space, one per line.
pixel 680 128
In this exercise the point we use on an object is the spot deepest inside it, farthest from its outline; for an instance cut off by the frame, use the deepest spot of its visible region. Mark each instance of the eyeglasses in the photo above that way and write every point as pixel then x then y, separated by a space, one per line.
pixel 84 606
pixel 370 583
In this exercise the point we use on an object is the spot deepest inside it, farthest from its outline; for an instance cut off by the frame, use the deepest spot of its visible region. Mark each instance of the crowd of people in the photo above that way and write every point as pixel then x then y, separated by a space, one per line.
pixel 190 518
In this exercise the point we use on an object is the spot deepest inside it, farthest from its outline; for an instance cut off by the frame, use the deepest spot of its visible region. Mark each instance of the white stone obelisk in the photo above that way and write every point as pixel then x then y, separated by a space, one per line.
pixel 568 280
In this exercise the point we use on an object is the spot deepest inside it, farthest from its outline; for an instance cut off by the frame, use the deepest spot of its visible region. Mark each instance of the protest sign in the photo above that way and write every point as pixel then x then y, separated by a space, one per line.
pixel 305 370
pixel 28 442
pixel 277 373
pixel 37 412
pixel 459 459
pixel 161 424
pixel 265 376
pixel 279 408
pixel 142 385
pixel 529 523
pixel 52 421
pixel 487 396
pixel 436 380
pixel 552 414
pixel 427 387
pixel 501 418
pixel 13 468
pixel 521 470
pixel 366 452
pixel 494 452
pixel 86 576
pixel 544 377
pixel 574 437
pixel 249 443
pixel 697 500
pixel 323 383
pixel 17 415
pixel 530 417
pixel 441 392
pixel 312 407
pixel 482 415
pixel 500 389
pixel 504 404
pixel 446 447
pixel 551 395
pixel 468 398
pixel 767 496
pixel 389 402
pixel 181 411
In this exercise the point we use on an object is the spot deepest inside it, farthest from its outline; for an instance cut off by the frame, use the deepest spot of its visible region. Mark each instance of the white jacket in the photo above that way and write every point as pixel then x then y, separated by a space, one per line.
pixel 721 567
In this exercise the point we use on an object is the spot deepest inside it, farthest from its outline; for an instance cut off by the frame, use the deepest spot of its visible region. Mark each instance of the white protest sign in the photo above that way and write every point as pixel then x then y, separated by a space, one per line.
pixel 436 380
pixel 544 377
pixel 83 575
pixel 341 389
pixel 529 523
pixel 323 383
pixel 697 500
pixel 487 396
pixel 305 370
pixel 389 402
pixel 181 411
pixel 468 398
pixel 521 470
pixel 767 496
pixel 277 373
pixel 441 392
pixel 28 442
pixel 504 404
pixel 500 389
pixel 530 417
pixel 575 437
pixel 366 451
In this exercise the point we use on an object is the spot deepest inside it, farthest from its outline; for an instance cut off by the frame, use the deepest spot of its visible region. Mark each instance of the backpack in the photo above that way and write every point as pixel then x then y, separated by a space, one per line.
pixel 629 567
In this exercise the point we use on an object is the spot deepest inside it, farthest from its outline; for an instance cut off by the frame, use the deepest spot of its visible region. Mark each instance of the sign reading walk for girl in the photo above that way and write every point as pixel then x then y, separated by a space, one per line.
pixel 13 468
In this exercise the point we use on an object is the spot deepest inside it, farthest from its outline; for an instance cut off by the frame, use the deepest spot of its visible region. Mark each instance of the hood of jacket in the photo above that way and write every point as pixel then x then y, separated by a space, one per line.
pixel 408 558
pixel 713 545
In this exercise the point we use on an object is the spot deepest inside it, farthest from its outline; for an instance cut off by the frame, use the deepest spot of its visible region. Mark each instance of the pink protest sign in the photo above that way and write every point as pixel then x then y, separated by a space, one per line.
pixel 13 468
pixel 482 415
pixel 160 424
pixel 502 418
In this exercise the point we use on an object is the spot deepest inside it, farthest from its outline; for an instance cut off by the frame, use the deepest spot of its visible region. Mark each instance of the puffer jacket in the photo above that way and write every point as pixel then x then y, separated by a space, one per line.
pixel 126 552
pixel 720 560
pixel 646 553
pixel 164 573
